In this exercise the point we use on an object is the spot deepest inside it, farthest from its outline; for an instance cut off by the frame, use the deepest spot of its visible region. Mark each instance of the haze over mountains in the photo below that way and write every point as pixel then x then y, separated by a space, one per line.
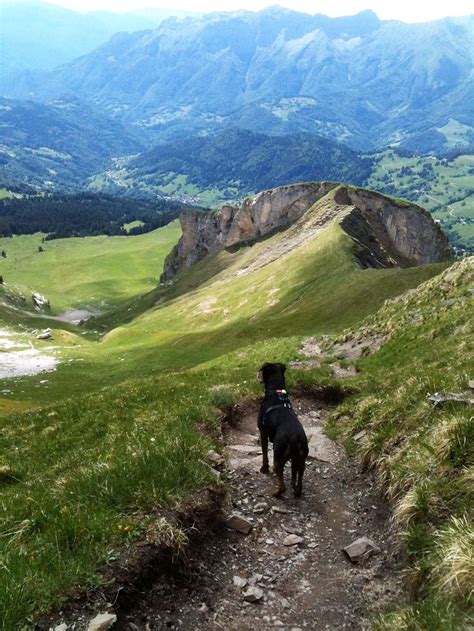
pixel 58 144
pixel 357 79
pixel 40 35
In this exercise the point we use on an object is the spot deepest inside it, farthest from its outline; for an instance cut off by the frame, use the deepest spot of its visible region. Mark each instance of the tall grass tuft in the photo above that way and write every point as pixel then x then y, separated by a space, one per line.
pixel 454 570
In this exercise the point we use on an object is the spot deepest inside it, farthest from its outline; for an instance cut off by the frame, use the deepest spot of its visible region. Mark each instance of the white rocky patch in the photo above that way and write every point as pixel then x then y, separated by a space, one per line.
pixel 22 363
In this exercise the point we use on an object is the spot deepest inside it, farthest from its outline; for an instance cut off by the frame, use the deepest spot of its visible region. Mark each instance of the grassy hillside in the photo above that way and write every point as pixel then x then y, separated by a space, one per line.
pixel 95 272
pixel 115 437
pixel 423 455
pixel 444 187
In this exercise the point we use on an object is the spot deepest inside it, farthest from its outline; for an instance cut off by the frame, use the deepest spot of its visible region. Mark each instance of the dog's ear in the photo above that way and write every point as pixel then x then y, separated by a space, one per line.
pixel 283 368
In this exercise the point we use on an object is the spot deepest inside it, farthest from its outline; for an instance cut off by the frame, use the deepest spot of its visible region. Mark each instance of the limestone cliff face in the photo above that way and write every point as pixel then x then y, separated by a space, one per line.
pixel 208 232
pixel 386 232
pixel 402 234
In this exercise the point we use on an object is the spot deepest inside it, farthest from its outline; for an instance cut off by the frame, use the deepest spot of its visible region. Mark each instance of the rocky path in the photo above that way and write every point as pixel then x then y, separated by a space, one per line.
pixel 289 572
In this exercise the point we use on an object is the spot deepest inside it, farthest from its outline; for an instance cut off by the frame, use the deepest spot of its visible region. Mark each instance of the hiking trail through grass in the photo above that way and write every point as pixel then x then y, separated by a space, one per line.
pixel 310 585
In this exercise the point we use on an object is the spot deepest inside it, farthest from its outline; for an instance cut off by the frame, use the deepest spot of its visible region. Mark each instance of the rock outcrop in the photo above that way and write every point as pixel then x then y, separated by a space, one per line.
pixel 387 232
pixel 391 232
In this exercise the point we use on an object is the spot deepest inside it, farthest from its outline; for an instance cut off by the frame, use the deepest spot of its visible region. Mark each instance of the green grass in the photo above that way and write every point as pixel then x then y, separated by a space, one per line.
pixel 447 191
pixel 177 185
pixel 133 224
pixel 90 271
pixel 423 456
pixel 456 133
pixel 82 470
pixel 113 435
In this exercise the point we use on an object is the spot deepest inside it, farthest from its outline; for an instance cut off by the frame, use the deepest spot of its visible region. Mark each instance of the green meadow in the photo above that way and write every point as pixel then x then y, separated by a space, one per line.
pixel 90 451
pixel 445 188
pixel 86 271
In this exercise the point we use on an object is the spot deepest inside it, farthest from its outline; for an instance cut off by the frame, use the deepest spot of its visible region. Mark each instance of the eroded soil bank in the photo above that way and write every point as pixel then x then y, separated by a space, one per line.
pixel 309 585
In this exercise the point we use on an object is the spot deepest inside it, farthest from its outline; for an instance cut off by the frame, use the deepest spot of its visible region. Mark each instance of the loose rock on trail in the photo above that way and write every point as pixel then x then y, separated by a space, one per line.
pixel 289 571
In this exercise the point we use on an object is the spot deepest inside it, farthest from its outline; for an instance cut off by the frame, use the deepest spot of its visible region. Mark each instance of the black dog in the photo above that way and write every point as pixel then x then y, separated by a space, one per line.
pixel 278 422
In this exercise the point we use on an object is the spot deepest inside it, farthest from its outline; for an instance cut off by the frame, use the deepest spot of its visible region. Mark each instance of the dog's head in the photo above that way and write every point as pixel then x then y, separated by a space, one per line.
pixel 272 375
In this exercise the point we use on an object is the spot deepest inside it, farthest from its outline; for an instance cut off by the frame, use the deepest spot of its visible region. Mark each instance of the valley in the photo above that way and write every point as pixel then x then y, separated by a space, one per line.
pixel 445 187
pixel 107 437
pixel 183 198
pixel 226 166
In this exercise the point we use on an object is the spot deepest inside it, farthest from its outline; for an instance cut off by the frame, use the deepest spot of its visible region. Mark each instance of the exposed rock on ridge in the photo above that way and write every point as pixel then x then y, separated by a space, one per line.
pixel 386 232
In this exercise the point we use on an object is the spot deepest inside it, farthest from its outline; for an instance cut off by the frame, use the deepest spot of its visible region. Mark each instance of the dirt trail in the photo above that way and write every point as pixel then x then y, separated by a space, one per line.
pixel 311 585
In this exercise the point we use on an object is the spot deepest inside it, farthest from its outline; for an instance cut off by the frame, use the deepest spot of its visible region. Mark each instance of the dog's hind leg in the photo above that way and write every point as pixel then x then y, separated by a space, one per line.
pixel 294 473
pixel 264 444
pixel 278 467
pixel 300 467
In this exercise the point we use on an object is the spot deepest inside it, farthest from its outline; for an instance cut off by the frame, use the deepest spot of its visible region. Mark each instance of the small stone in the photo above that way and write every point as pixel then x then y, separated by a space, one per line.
pixel 292 540
pixel 439 398
pixel 260 507
pixel 295 530
pixel 359 435
pixel 102 622
pixel 280 509
pixel 253 594
pixel 215 473
pixel 44 336
pixel 471 384
pixel 255 578
pixel 269 542
pixel 360 549
pixel 239 581
pixel 214 458
pixel 239 523
pixel 203 608
pixel 313 545
pixel 61 627
pixel 285 603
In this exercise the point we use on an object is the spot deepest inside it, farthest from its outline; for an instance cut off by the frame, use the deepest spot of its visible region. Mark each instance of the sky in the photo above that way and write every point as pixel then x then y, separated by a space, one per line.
pixel 405 10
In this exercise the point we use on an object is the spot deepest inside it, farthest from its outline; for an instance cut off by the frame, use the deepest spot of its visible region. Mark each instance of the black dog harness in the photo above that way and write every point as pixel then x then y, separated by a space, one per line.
pixel 284 403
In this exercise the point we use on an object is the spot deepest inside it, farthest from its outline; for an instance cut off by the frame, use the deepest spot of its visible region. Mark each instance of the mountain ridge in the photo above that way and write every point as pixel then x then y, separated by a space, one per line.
pixel 241 161
pixel 278 70
pixel 386 232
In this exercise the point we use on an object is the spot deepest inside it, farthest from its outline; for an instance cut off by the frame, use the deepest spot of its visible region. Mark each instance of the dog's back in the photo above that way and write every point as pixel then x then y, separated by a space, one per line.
pixel 278 423
pixel 286 432
pixel 290 443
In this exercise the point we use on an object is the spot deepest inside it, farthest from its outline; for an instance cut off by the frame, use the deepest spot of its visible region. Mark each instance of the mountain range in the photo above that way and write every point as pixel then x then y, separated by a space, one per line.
pixel 60 144
pixel 211 108
pixel 36 35
pixel 357 79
